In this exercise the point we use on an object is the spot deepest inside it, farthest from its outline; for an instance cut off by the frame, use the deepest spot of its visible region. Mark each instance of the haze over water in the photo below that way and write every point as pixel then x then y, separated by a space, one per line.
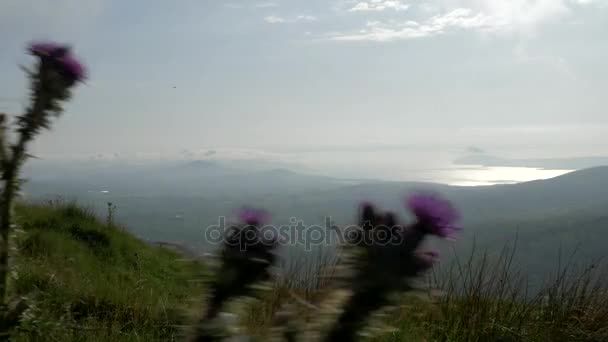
pixel 433 165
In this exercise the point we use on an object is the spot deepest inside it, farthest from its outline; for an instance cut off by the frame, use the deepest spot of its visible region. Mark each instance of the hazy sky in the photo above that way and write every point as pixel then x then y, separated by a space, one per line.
pixel 185 74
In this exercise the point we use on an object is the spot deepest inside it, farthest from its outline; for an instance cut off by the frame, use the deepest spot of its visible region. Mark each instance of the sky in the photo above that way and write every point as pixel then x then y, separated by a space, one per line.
pixel 274 75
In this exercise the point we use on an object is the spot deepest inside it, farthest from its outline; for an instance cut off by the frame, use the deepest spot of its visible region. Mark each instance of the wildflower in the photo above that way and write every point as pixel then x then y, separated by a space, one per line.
pixel 246 258
pixel 435 215
pixel 373 228
pixel 382 266
pixel 43 49
pixel 252 216
pixel 61 59
pixel 50 83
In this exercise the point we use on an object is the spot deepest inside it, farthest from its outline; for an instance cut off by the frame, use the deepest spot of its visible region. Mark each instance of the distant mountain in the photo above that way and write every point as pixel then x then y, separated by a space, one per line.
pixel 186 179
pixel 200 164
pixel 574 191
pixel 478 157
pixel 281 172
pixel 562 212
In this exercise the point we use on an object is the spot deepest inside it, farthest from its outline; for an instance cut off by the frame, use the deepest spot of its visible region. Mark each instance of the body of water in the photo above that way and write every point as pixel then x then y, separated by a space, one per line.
pixel 417 165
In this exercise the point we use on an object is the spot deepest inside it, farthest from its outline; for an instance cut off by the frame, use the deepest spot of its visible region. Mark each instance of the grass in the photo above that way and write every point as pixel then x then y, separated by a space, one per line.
pixel 85 281
pixel 481 298
pixel 82 280
pixel 490 299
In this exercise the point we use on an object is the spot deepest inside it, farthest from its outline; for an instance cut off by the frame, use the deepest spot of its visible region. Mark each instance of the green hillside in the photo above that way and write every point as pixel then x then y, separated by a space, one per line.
pixel 82 280
pixel 77 279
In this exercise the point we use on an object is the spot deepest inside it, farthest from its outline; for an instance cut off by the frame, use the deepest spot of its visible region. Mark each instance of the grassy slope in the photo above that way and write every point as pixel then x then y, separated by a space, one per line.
pixel 85 281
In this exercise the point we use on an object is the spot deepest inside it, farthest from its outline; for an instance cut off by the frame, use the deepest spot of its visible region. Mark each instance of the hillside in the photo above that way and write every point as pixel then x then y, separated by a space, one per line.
pixel 82 280
pixel 566 212
pixel 85 281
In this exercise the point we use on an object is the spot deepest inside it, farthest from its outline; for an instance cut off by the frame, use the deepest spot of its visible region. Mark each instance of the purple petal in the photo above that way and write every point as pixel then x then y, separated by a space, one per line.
pixel 69 66
pixel 436 213
pixel 73 68
pixel 252 216
pixel 44 48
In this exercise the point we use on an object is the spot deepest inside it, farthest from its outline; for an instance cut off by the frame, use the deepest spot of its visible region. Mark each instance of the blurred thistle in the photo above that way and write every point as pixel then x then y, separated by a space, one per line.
pixel 387 256
pixel 435 215
pixel 52 78
pixel 246 259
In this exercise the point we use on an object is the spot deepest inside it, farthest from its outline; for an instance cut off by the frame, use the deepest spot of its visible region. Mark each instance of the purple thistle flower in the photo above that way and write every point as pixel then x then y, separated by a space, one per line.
pixel 73 68
pixel 62 57
pixel 252 216
pixel 44 49
pixel 437 215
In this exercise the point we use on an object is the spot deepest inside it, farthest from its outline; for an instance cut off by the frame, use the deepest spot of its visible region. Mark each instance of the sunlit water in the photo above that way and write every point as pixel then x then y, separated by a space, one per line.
pixel 476 176
pixel 435 166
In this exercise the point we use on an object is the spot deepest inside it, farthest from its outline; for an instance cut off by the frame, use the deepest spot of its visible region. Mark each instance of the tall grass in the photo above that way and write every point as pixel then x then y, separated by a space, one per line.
pixel 485 298
pixel 78 279
pixel 480 297
pixel 302 278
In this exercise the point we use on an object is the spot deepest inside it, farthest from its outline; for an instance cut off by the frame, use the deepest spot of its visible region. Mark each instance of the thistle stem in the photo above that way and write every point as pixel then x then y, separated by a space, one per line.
pixel 10 171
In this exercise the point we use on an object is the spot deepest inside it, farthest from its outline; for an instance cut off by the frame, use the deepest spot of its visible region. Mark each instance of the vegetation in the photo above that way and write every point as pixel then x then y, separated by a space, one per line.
pixel 479 298
pixel 51 81
pixel 77 279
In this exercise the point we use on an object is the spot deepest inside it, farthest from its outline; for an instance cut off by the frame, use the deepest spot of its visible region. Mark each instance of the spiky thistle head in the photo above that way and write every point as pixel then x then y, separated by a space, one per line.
pixel 435 214
pixel 61 59
pixel 253 216
pixel 52 79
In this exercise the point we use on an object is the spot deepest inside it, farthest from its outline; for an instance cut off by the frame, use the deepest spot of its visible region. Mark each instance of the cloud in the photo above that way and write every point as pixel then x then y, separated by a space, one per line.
pixel 524 16
pixel 462 18
pixel 273 19
pixel 513 17
pixel 599 3
pixel 306 18
pixel 379 5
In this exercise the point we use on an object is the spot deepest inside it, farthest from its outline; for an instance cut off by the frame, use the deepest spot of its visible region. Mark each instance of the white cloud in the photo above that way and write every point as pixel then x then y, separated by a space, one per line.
pixel 379 5
pixel 306 18
pixel 600 3
pixel 512 17
pixel 462 18
pixel 524 16
pixel 273 19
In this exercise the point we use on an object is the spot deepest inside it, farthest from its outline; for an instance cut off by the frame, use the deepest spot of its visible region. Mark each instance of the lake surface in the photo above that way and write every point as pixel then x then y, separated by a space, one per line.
pixel 480 175
pixel 415 165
